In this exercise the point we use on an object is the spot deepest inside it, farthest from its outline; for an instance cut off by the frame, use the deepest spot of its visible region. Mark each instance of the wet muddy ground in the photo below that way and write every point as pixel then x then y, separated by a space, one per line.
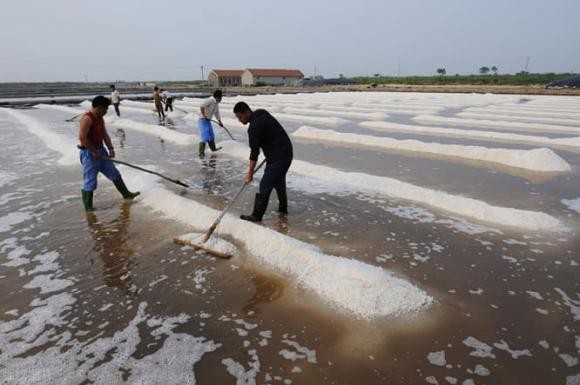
pixel 110 297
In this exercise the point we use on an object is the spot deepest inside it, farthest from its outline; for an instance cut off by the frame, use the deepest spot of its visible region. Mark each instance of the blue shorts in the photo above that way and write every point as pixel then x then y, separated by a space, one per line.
pixel 205 130
pixel 92 167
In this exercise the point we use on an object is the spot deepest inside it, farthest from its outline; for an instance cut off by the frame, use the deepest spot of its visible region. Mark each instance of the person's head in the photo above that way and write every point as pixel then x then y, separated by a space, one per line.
pixel 217 94
pixel 113 87
pixel 156 88
pixel 100 105
pixel 243 112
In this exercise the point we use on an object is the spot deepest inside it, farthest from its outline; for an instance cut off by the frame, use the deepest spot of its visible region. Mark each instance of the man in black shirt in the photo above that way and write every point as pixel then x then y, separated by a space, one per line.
pixel 267 134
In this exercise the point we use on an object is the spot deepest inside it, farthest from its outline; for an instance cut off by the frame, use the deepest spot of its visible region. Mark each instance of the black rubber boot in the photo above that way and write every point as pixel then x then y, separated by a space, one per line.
pixel 201 149
pixel 120 185
pixel 283 199
pixel 212 146
pixel 88 200
pixel 260 205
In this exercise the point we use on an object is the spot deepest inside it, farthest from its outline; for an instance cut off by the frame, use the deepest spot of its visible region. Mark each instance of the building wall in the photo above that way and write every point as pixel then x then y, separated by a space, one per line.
pixel 213 80
pixel 249 80
pixel 230 81
pixel 223 81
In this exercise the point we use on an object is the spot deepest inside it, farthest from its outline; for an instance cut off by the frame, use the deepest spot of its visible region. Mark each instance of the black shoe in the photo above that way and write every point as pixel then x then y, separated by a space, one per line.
pixel 283 208
pixel 260 205
pixel 250 218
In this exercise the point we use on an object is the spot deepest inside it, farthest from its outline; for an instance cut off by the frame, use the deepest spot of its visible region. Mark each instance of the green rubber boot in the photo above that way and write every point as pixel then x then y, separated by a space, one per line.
pixel 87 200
pixel 212 146
pixel 201 150
pixel 120 185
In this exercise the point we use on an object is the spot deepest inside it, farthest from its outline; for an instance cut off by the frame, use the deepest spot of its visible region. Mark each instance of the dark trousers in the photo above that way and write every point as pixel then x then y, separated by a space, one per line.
pixel 116 105
pixel 275 178
pixel 169 104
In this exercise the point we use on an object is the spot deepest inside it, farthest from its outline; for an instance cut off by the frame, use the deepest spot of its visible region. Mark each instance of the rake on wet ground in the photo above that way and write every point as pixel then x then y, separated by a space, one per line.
pixel 176 181
pixel 215 224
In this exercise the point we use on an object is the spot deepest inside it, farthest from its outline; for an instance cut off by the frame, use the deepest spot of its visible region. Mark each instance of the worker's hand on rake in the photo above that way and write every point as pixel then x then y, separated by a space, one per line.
pixel 220 123
pixel 111 153
pixel 248 178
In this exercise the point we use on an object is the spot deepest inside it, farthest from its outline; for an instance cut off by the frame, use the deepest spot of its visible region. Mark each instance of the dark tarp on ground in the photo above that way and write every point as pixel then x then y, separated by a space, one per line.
pixel 573 82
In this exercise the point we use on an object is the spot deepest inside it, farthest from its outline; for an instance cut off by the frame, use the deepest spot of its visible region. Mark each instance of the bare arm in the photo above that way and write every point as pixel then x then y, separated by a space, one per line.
pixel 109 145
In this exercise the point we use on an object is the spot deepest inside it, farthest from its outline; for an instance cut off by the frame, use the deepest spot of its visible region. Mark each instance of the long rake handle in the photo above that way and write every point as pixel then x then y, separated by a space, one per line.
pixel 229 133
pixel 225 210
pixel 176 181
pixel 74 117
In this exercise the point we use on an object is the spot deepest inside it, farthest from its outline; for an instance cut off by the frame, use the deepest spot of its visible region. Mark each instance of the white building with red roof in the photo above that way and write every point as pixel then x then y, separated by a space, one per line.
pixel 225 78
pixel 274 77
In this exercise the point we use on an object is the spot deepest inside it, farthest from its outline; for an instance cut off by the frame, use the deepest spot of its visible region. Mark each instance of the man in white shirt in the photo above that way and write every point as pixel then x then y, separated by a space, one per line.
pixel 115 99
pixel 207 110
pixel 167 99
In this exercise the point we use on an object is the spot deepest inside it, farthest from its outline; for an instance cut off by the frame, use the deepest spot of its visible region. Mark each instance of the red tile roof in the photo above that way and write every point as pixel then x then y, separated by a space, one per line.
pixel 266 72
pixel 230 73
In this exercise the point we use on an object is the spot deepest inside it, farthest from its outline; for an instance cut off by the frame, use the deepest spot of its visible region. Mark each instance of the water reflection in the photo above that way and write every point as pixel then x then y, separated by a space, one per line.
pixel 112 244
pixel 267 290
pixel 212 178
pixel 121 136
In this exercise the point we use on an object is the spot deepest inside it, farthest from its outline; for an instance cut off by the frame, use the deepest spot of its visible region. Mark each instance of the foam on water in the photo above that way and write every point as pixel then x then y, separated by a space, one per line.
pixel 11 219
pixel 519 117
pixel 150 129
pixel 344 114
pixel 565 143
pixel 346 284
pixel 459 205
pixel 515 126
pixel 155 130
pixel 539 160
pixel 62 358
pixel 64 145
pixel 325 121
pixel 214 242
pixel 572 204
pixel 6 178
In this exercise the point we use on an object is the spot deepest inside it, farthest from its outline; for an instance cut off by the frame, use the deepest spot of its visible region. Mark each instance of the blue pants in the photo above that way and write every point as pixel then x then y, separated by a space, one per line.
pixel 205 130
pixel 92 166
pixel 275 178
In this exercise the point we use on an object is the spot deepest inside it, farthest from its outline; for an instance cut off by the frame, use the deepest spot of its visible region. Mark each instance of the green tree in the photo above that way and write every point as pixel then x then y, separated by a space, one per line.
pixel 484 70
pixel 494 69
pixel 441 71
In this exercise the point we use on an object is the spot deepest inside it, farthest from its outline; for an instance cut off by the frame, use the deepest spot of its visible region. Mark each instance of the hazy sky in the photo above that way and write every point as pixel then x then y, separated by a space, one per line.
pixel 106 40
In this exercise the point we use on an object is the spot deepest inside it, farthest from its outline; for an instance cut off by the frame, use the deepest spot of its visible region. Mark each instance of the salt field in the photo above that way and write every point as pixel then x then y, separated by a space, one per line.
pixel 431 239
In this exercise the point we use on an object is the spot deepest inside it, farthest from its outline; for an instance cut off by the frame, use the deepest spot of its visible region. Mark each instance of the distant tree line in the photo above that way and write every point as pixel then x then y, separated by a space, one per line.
pixel 484 78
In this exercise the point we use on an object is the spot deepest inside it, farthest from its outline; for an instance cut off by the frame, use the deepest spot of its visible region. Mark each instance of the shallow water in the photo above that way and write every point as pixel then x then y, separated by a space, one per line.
pixel 111 299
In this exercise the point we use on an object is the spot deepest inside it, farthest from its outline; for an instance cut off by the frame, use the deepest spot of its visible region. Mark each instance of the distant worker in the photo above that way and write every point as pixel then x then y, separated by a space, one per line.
pixel 158 103
pixel 115 99
pixel 267 134
pixel 167 99
pixel 94 157
pixel 207 110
